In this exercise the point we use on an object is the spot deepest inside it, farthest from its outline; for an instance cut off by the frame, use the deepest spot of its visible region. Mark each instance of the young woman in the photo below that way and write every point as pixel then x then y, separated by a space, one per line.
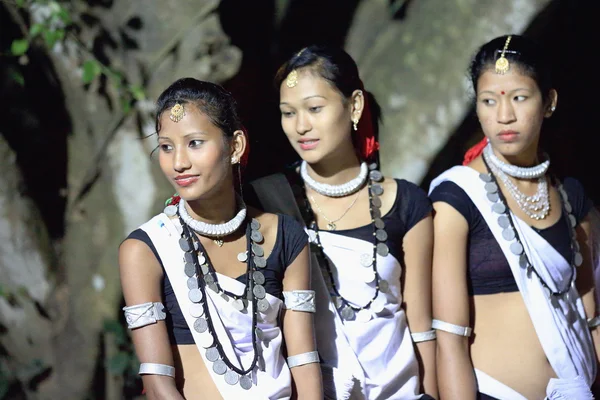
pixel 371 235
pixel 512 283
pixel 205 282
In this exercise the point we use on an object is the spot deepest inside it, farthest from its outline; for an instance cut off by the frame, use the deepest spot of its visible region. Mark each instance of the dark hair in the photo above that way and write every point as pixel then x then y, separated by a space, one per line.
pixel 214 101
pixel 522 53
pixel 339 69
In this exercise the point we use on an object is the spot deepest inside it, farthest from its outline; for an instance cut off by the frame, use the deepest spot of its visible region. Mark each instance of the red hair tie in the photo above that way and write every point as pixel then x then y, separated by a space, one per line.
pixel 475 151
pixel 365 135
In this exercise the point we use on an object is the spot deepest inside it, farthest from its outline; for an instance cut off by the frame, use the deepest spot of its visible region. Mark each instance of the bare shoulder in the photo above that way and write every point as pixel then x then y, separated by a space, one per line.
pixel 135 254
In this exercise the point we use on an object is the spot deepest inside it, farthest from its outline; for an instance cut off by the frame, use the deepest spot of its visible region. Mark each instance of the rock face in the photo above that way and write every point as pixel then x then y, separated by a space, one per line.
pixel 416 67
pixel 59 290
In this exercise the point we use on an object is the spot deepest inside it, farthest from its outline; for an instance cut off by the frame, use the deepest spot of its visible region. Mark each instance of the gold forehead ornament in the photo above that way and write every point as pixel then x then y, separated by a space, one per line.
pixel 502 64
pixel 177 112
pixel 292 79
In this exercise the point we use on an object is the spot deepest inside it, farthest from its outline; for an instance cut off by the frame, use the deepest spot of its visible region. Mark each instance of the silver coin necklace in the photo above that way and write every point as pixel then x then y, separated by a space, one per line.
pixel 510 233
pixel 202 276
pixel 346 310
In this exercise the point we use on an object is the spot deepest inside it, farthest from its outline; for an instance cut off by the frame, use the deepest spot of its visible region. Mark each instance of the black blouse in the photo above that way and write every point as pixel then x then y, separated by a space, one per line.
pixel 290 241
pixel 488 271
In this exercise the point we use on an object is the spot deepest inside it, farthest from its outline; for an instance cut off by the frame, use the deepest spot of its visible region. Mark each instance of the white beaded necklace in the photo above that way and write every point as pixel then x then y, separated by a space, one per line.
pixel 214 230
pixel 537 206
pixel 335 190
pixel 514 170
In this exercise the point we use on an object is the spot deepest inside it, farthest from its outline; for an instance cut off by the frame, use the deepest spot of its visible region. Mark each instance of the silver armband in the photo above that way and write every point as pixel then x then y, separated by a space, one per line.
pixel 304 358
pixel 144 314
pixel 157 369
pixel 593 322
pixel 451 328
pixel 418 337
pixel 300 300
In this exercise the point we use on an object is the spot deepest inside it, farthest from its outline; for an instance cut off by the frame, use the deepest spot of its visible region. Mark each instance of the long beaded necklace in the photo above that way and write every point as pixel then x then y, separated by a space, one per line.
pixel 201 274
pixel 510 233
pixel 348 311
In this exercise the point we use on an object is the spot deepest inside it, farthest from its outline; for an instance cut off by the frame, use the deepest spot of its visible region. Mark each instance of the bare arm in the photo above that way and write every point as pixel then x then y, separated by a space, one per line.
pixel 456 379
pixel 299 333
pixel 418 250
pixel 585 279
pixel 141 277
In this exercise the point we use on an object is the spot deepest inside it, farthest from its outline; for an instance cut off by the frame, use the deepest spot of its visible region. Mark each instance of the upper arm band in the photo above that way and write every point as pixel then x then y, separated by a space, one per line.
pixel 300 300
pixel 144 314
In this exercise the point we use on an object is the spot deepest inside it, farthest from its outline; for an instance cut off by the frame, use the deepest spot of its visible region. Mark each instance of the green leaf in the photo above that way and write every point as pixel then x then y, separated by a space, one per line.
pixel 51 37
pixel 19 3
pixel 126 105
pixel 137 92
pixel 36 29
pixel 119 363
pixel 64 15
pixel 91 69
pixel 112 326
pixel 19 47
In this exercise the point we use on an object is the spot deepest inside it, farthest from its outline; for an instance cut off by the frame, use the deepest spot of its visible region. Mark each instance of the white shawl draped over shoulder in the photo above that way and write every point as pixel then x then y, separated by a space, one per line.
pixel 560 322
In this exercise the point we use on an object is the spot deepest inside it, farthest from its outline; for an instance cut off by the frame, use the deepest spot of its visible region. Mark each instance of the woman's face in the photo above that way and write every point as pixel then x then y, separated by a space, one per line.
pixel 315 117
pixel 511 111
pixel 193 154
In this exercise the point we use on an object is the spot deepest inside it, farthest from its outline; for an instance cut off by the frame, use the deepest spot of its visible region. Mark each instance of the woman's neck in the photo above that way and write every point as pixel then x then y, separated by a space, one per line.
pixel 336 169
pixel 527 158
pixel 217 209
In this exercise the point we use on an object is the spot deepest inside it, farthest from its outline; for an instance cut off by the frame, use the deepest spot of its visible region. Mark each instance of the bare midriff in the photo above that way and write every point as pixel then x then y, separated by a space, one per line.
pixel 193 379
pixel 506 346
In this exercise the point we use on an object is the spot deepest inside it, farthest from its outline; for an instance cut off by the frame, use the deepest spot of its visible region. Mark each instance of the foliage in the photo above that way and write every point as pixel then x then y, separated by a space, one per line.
pixel 124 362
pixel 54 24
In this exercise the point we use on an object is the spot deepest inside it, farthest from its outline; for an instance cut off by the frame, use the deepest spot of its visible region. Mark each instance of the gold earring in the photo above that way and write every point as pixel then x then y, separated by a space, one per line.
pixel 355 124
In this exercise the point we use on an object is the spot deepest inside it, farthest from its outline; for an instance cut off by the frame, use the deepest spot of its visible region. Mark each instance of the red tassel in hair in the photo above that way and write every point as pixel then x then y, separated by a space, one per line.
pixel 365 135
pixel 474 151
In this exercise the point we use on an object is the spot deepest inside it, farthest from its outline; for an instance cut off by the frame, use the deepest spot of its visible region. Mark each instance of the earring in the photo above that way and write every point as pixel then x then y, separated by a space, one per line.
pixel 355 124
pixel 552 108
pixel 234 160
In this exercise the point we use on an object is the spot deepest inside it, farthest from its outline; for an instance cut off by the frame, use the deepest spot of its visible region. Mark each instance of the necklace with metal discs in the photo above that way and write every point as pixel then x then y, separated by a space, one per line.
pixel 201 275
pixel 346 310
pixel 510 234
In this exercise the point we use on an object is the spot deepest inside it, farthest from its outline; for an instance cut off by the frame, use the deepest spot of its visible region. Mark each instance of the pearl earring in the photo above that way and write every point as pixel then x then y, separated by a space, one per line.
pixel 552 108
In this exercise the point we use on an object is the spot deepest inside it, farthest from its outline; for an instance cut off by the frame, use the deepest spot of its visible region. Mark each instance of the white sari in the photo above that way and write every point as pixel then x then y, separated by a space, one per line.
pixel 232 326
pixel 376 359
pixel 560 322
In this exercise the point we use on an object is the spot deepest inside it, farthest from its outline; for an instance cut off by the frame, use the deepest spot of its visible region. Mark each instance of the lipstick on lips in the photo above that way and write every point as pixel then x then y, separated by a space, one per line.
pixel 508 135
pixel 185 180
pixel 308 144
